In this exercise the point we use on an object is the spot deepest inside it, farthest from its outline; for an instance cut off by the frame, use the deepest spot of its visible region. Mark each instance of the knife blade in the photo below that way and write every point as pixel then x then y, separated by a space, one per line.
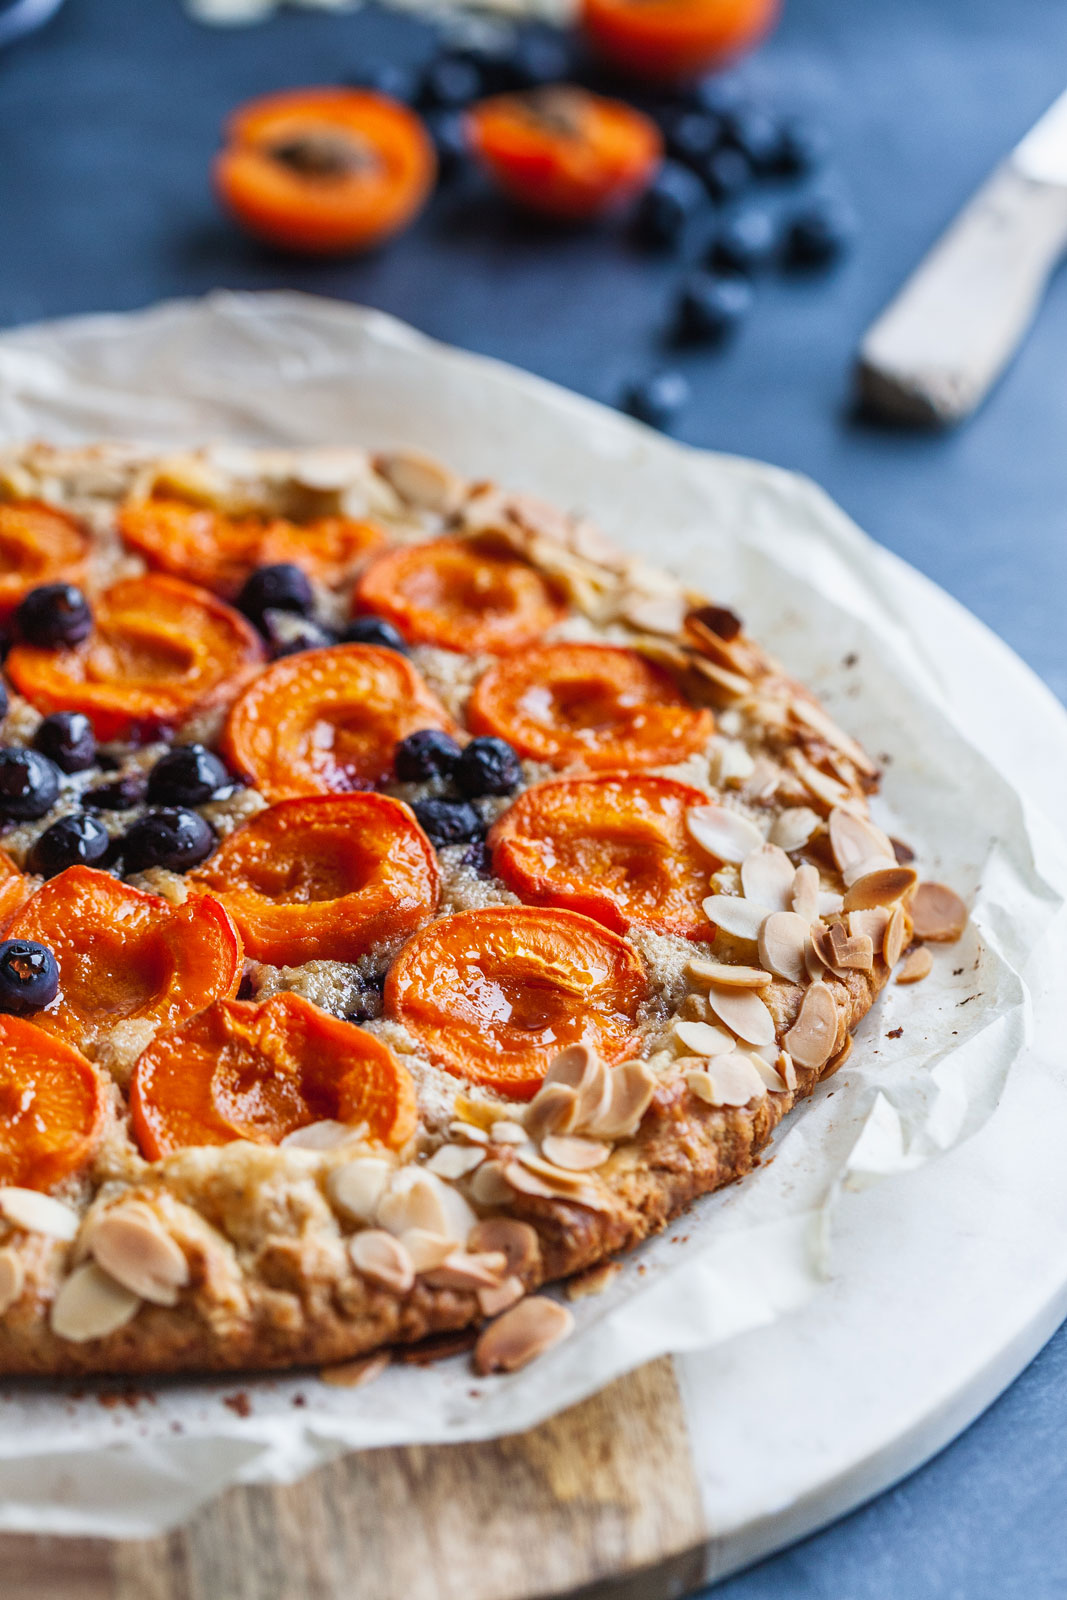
pixel 937 349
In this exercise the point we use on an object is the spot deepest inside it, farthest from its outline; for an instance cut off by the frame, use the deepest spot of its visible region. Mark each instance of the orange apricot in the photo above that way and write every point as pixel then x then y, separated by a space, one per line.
pixel 15 888
pixel 52 1103
pixel 38 544
pixel 671 39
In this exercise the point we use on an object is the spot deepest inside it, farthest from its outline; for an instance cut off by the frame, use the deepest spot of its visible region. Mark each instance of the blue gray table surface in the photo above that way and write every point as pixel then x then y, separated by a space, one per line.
pixel 108 121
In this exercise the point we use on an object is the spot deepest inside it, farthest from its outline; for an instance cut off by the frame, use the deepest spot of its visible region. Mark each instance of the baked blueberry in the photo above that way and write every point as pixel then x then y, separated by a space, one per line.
pixel 726 173
pixel 710 308
pixel 172 837
pixel 287 633
pixel 450 82
pixel 186 776
pixel 487 766
pixel 479 858
pixel 744 243
pixel 656 400
pixel 75 841
pixel 757 136
pixel 691 136
pixel 66 737
pixel 429 753
pixel 671 200
pixel 29 976
pixel 819 234
pixel 29 783
pixel 53 617
pixel 802 147
pixel 448 821
pixel 121 794
pixel 281 587
pixel 373 630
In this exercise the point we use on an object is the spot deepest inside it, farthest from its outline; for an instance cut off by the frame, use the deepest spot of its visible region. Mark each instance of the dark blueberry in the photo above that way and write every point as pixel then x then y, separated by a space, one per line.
pixel 450 82
pixel 450 142
pixel 691 136
pixel 656 400
pixel 77 841
pixel 721 97
pixel 66 737
pixel 53 616
pixel 3 699
pixel 386 77
pixel 287 633
pixel 802 147
pixel 709 308
pixel 744 243
pixel 29 976
pixel 819 234
pixel 246 989
pixel 429 753
pixel 28 784
pixel 373 630
pixel 121 794
pixel 674 196
pixel 186 776
pixel 757 136
pixel 282 587
pixel 492 57
pixel 479 858
pixel 726 173
pixel 487 766
pixel 448 821
pixel 541 56
pixel 173 838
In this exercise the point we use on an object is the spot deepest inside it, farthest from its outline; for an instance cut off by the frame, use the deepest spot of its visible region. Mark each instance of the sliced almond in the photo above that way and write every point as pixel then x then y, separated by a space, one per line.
pixel 782 942
pixel 812 1037
pixel 728 976
pixel 853 951
pixel 38 1213
pixel 732 684
pixel 793 827
pixel 806 891
pixel 817 783
pixel 489 1185
pixel 854 839
pixel 917 964
pixel 633 1085
pixel 594 1280
pixel 468 1131
pixel 814 717
pixel 703 1038
pixel 724 834
pixel 90 1305
pixel 382 1259
pixel 871 923
pixel 132 1246
pixel 581 1069
pixel 324 1135
pixel 743 1012
pixel 938 913
pixel 816 970
pixel 354 1374
pixel 356 1187
pixel 574 1153
pixel 12 1279
pixel 462 1271
pixel 517 1240
pixel 772 1079
pixel 420 481
pixel 731 1080
pixel 740 918
pixel 838 1061
pixel 880 888
pixel 559 1178
pixel 767 877
pixel 734 764
pixel 821 945
pixel 416 1198
pixel 507 1132
pixel 526 1331
pixel 427 1250
pixel 553 1109
pixel 830 904
pixel 454 1161
pixel 494 1300
pixel 862 869
pixel 896 937
pixel 786 1070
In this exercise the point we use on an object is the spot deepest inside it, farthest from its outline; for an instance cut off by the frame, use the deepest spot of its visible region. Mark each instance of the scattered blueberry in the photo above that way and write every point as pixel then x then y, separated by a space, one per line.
pixel 722 97
pixel 66 737
pixel 479 858
pixel 539 57
pixel 448 821
pixel 757 136
pixel 29 976
pixel 744 243
pixel 691 136
pixel 802 147
pixel 450 82
pixel 492 56
pixel 54 616
pixel 429 753
pixel 75 841
pixel 386 77
pixel 674 196
pixel 487 766
pixel 710 308
pixel 29 784
pixel 449 140
pixel 373 630
pixel 121 794
pixel 282 587
pixel 726 173
pixel 819 234
pixel 656 400
pixel 188 775
pixel 287 633
pixel 173 837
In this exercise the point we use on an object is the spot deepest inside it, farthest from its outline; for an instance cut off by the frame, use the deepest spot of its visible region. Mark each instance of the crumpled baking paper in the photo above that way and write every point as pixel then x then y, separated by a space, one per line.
pixel 291 370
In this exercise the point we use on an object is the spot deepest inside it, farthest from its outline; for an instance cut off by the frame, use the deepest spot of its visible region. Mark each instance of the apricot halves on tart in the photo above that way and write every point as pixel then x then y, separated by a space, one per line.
pixel 38 544
pixel 242 1070
pixel 51 1106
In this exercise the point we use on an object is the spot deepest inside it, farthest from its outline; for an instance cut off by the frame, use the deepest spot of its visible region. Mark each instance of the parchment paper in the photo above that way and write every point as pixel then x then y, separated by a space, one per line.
pixel 285 369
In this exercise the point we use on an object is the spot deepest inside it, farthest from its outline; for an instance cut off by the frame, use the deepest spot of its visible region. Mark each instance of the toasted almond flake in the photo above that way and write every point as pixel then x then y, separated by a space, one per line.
pixel 861 869
pixel 462 1271
pixel 90 1305
pixel 553 1109
pixel 468 1131
pixel 841 1057
pixel 782 942
pixel 770 1075
pixel 733 763
pixel 12 1279
pixel 723 834
pixel 382 1259
pixel 829 904
pixel 325 1135
pixel 491 1302
pixel 427 1250
pixel 132 1246
pixel 731 683
pixel 938 913
pixel 793 827
pixel 454 1161
pixel 575 1153
pixel 38 1213
pixel 420 481
pixel 817 783
pixel 811 1038
pixel 582 1070
pixel 526 1331
pixel 816 718
pixel 767 877
pixel 743 1012
pixel 853 951
pixel 655 613
pixel 508 1132
pixel 731 1080
pixel 734 915
pixel 594 1280
pixel 703 1038
pixel 806 891
pixel 822 945
pixel 815 969
pixel 354 1374
pixel 727 976
pixel 517 1240
pixel 896 937
pixel 855 839
pixel 489 1185
pixel 416 1198
pixel 632 1085
pixel 559 1178
pixel 356 1187
pixel 917 964
pixel 880 888
pixel 786 1070
pixel 873 923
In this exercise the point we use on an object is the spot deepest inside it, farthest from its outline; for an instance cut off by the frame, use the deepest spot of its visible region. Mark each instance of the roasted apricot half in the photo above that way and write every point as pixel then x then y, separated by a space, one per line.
pixel 125 954
pixel 38 544
pixel 493 995
pixel 242 1070
pixel 327 721
pixel 614 847
pixel 15 888
pixel 563 151
pixel 325 171
pixel 52 1104
pixel 218 552
pixel 459 595
pixel 588 705
pixel 160 649
pixel 324 878
pixel 671 39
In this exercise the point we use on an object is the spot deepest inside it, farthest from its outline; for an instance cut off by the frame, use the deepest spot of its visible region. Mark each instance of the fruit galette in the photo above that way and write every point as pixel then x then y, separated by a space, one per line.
pixel 407 902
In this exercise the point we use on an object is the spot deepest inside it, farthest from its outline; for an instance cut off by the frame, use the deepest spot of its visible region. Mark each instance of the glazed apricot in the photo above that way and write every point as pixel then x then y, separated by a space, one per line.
pixel 38 544
pixel 493 995
pixel 327 721
pixel 671 39
pixel 563 151
pixel 325 171
pixel 614 847
pixel 125 954
pixel 324 878
pixel 242 1070
pixel 459 595
pixel 52 1105
pixel 15 888
pixel 205 547
pixel 160 649
pixel 588 705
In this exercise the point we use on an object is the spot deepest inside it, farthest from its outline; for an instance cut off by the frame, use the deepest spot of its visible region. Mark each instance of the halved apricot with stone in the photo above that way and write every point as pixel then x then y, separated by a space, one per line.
pixel 38 544
pixel 588 705
pixel 324 878
pixel 460 595
pixel 614 847
pixel 160 649
pixel 327 721
pixel 124 954
pixel 493 995
pixel 242 1070
pixel 52 1105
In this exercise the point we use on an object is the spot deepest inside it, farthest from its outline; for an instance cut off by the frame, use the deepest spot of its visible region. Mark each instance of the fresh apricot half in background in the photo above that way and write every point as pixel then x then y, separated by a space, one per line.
pixel 325 171
pixel 671 39
pixel 38 544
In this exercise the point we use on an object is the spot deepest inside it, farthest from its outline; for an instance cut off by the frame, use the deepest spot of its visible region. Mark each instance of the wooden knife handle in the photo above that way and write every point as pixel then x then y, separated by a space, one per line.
pixel 937 349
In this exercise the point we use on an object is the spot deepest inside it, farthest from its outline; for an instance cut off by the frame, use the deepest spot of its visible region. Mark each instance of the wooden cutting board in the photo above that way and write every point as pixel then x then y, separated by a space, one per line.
pixel 601 1500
